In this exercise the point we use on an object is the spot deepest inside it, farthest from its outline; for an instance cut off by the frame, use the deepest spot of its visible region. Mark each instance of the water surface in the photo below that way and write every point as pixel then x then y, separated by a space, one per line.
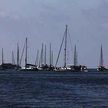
pixel 53 90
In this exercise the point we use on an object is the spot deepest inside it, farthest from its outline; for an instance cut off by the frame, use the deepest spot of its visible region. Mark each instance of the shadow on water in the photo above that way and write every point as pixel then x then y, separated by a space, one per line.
pixel 53 90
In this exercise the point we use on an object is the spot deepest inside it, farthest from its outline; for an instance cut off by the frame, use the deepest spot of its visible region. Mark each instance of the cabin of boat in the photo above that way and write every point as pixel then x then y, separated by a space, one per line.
pixel 46 67
pixel 30 67
pixel 78 68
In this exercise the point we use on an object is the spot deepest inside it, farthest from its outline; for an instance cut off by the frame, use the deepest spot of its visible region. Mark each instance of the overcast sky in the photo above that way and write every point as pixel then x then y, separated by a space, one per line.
pixel 45 20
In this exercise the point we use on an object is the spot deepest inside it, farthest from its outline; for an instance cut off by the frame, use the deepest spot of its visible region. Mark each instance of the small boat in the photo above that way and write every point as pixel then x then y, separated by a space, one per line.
pixel 102 68
pixel 73 68
pixel 101 63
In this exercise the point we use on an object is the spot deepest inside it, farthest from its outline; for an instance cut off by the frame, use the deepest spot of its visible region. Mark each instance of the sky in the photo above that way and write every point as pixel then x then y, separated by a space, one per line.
pixel 43 21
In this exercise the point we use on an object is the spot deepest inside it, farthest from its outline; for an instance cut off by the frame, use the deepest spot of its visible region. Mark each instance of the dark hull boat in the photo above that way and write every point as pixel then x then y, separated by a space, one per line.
pixel 102 68
pixel 75 67
pixel 9 66
pixel 72 68
pixel 101 64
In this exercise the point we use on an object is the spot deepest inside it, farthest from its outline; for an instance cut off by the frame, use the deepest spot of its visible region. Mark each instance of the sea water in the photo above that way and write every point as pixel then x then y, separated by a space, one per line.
pixel 53 89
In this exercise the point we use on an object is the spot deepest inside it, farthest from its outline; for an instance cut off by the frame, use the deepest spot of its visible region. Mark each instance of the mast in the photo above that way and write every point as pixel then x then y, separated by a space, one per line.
pixel 22 54
pixel 17 55
pixel 64 39
pixel 75 57
pixel 37 59
pixel 65 49
pixel 26 54
pixel 45 56
pixel 50 55
pixel 41 59
pixel 101 57
pixel 2 57
pixel 13 59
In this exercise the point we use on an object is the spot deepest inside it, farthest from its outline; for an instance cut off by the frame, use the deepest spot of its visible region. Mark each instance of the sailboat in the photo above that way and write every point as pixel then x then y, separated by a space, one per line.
pixel 101 62
pixel 64 68
pixel 8 66
pixel 76 67
pixel 73 68
pixel 18 64
pixel 27 67
pixel 43 65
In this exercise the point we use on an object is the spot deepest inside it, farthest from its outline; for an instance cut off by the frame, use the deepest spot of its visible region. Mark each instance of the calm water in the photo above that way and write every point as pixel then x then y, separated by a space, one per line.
pixel 53 90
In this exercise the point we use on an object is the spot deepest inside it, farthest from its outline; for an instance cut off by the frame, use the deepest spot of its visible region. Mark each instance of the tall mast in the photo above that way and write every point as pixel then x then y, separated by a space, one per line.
pixel 17 55
pixel 65 49
pixel 13 59
pixel 26 54
pixel 41 59
pixel 75 57
pixel 2 57
pixel 45 56
pixel 37 58
pixel 50 55
pixel 101 57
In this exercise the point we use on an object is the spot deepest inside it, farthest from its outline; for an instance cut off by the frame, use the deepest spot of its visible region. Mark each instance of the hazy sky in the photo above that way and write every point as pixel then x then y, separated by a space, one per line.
pixel 45 20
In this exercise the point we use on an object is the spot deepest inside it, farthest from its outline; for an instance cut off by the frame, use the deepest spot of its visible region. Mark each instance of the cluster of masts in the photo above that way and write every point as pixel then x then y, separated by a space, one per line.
pixel 40 63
